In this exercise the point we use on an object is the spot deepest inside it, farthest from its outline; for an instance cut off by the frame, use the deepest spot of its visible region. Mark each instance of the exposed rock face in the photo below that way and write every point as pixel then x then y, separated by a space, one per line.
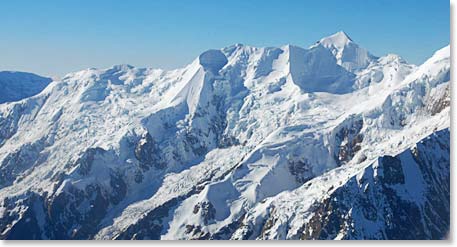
pixel 348 139
pixel 301 169
pixel 439 101
pixel 86 161
pixel 56 217
pixel 402 197
pixel 147 153
pixel 206 211
pixel 151 225
pixel 19 161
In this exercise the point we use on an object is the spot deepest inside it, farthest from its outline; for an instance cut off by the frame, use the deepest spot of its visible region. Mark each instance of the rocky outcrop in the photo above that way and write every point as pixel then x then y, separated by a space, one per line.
pixel 348 138
pixel 148 153
pixel 401 197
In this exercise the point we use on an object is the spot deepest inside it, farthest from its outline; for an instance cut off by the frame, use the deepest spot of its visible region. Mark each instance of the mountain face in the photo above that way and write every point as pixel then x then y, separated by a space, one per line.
pixel 19 85
pixel 395 197
pixel 347 53
pixel 328 142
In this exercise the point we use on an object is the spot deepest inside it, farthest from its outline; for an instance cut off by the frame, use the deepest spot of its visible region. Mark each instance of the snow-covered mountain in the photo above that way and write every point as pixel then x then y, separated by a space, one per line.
pixel 347 53
pixel 19 85
pixel 328 142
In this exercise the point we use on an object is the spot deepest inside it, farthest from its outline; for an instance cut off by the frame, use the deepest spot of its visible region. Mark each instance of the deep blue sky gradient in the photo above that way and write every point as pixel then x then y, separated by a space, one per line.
pixel 55 37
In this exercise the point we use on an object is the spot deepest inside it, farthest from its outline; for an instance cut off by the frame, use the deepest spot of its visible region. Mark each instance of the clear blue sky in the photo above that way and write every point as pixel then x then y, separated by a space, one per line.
pixel 55 37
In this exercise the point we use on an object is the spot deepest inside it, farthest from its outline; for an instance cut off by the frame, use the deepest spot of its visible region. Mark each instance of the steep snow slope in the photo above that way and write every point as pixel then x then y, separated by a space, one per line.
pixel 348 54
pixel 204 151
pixel 19 85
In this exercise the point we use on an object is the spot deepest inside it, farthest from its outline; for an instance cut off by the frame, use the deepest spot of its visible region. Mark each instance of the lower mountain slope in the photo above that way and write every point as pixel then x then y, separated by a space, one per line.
pixel 405 196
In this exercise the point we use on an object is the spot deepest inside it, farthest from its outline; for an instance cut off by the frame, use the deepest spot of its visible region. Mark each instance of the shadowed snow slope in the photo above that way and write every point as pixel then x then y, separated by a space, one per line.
pixel 213 60
pixel 243 143
pixel 19 85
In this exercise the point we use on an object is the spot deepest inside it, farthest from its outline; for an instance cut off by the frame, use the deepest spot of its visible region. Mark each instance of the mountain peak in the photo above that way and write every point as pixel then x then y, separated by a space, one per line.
pixel 347 53
pixel 338 40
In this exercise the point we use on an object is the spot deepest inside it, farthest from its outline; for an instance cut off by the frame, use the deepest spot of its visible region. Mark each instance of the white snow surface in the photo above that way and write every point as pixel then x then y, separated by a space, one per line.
pixel 348 54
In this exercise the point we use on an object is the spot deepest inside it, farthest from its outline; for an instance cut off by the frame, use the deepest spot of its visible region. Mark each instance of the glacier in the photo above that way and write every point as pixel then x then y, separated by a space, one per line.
pixel 324 142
